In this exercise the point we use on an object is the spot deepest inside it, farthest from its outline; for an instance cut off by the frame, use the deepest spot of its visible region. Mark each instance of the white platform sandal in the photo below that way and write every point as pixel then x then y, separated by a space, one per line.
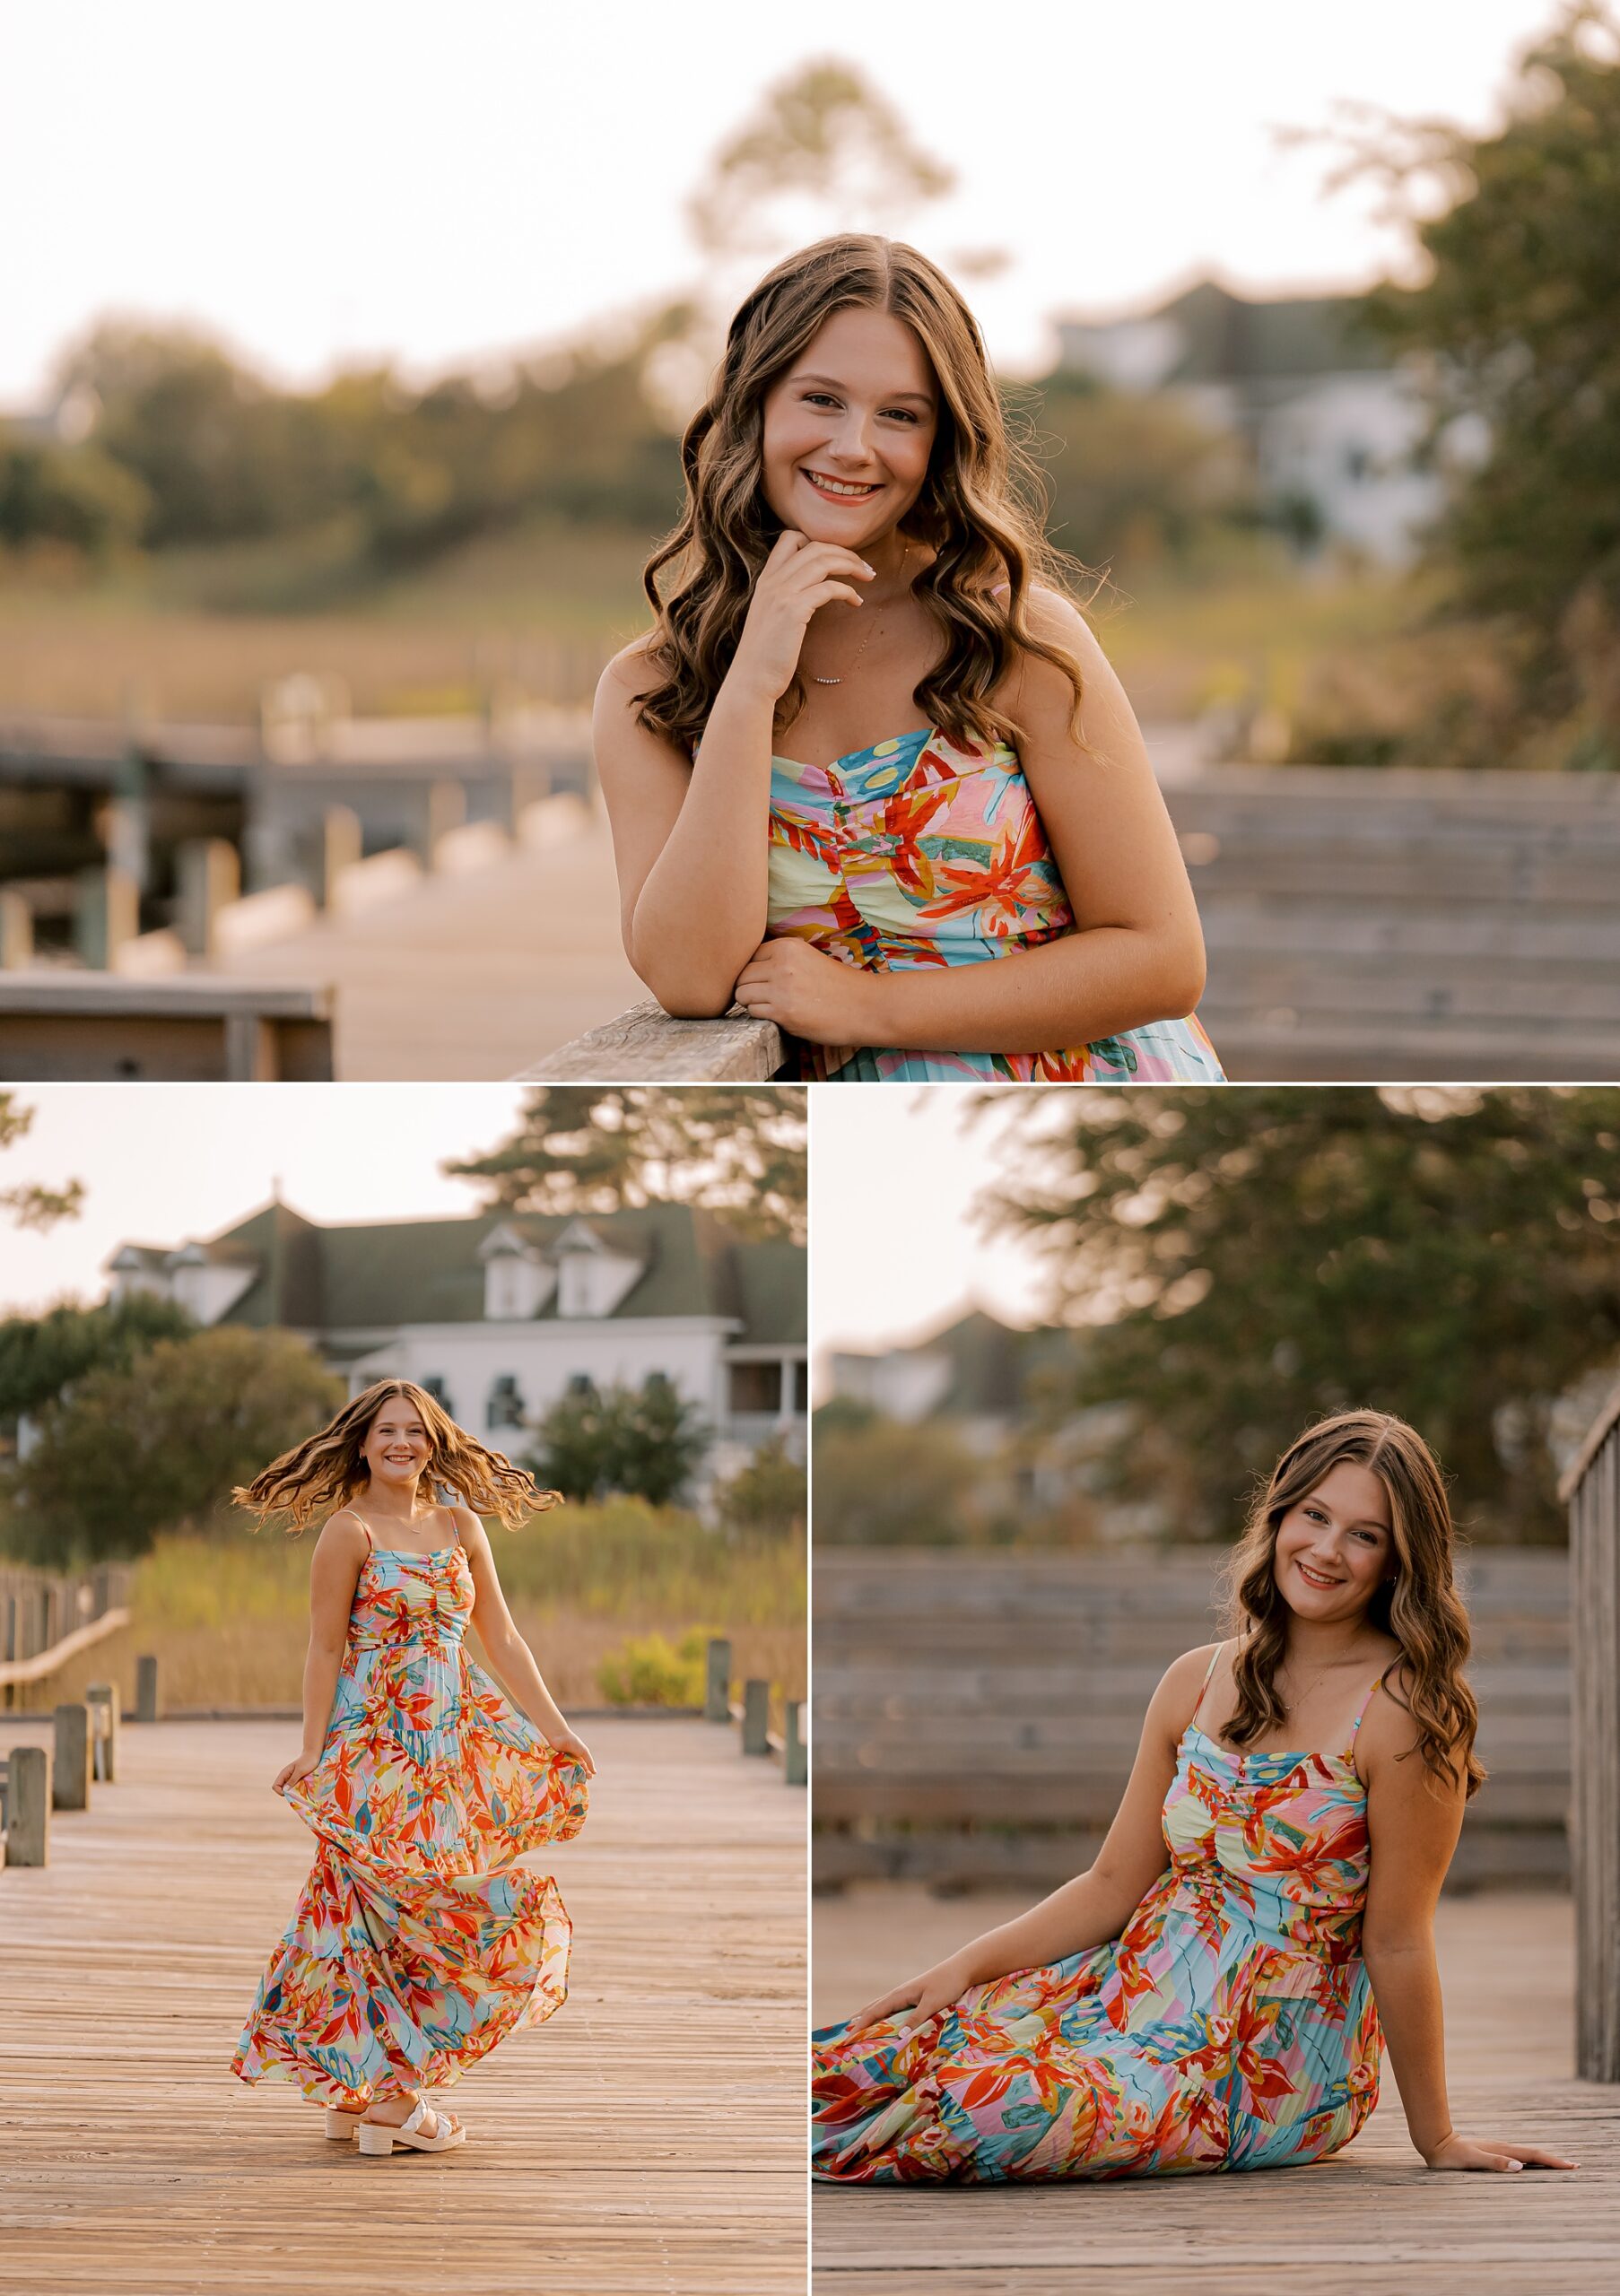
pixel 378 2138
pixel 342 2124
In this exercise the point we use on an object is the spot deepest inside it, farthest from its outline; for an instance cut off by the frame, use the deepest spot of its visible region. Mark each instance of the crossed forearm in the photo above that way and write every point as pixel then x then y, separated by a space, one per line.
pixel 1064 993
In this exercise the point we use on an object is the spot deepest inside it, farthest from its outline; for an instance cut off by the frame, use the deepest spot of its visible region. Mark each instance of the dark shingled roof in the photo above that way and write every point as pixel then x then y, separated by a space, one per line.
pixel 376 1274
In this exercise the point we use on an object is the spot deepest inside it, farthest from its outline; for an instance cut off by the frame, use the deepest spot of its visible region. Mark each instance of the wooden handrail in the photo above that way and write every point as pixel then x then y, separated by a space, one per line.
pixel 87 1026
pixel 45 1663
pixel 644 1045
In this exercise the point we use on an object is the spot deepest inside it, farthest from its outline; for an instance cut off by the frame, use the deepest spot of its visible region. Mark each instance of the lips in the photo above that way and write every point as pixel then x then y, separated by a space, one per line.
pixel 834 490
pixel 1313 1579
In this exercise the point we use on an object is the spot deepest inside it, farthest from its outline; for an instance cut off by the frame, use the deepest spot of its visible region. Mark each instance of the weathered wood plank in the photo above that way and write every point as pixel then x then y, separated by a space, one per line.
pixel 1593 1489
pixel 644 1046
pixel 647 2138
pixel 91 1027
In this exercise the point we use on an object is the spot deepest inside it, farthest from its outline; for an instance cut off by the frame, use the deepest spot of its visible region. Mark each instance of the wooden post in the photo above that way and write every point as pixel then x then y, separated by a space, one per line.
pixel 48 1618
pixel 102 1699
pixel 70 1763
pixel 795 1769
pixel 717 1692
pixel 9 1649
pixel 210 875
pixel 100 1593
pixel 756 1717
pixel 106 913
pixel 447 810
pixel 147 1689
pixel 16 932
pixel 1592 1489
pixel 342 844
pixel 28 1806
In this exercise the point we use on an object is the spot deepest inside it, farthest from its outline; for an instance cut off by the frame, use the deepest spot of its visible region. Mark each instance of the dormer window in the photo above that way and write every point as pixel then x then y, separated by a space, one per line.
pixel 517 1282
pixel 592 1279
pixel 505 1407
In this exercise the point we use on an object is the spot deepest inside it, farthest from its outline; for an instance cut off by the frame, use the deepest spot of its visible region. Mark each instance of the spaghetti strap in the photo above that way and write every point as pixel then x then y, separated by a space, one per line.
pixel 365 1527
pixel 1366 1702
pixel 1203 1685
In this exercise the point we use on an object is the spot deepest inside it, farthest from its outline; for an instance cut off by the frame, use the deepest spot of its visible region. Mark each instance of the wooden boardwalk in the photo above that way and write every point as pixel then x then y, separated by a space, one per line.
pixel 468 978
pixel 1369 2222
pixel 647 2138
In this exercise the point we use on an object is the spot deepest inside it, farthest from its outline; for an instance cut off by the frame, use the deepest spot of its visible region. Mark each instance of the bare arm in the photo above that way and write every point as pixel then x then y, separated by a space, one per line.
pixel 334 1568
pixel 1413 1827
pixel 692 842
pixel 1137 953
pixel 1095 1906
pixel 511 1660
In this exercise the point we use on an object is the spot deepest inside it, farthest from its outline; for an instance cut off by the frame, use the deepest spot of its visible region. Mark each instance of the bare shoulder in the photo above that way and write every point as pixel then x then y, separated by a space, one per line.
pixel 630 669
pixel 1179 1685
pixel 344 1529
pixel 470 1530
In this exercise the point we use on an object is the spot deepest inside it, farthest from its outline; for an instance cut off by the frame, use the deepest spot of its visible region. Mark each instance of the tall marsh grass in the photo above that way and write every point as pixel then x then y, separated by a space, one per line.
pixel 228 1617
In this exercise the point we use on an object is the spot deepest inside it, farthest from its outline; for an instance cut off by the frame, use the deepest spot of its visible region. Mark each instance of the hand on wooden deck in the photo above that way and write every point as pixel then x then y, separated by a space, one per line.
pixel 1455 2151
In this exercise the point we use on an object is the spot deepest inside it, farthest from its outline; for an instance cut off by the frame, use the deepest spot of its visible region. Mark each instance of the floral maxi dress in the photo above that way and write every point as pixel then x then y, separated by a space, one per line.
pixel 418 1940
pixel 1230 2026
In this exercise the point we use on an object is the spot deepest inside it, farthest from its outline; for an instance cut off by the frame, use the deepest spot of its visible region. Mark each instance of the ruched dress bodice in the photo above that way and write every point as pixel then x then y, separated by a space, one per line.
pixel 921 851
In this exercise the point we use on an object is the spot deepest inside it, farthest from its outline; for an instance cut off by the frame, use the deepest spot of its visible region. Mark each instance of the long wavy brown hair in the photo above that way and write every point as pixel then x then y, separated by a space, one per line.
pixel 976 510
pixel 329 1469
pixel 1422 1610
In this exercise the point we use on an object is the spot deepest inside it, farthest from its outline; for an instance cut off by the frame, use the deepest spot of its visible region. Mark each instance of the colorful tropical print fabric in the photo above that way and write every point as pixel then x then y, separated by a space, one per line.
pixel 1230 2026
pixel 418 1940
pixel 923 851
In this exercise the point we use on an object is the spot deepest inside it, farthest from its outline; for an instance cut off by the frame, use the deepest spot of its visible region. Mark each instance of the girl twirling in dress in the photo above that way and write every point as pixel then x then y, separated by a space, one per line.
pixel 856 553
pixel 419 1941
pixel 1211 1994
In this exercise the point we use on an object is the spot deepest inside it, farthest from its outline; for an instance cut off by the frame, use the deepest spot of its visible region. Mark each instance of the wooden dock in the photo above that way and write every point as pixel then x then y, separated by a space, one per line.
pixel 647 2138
pixel 472 975
pixel 1370 2221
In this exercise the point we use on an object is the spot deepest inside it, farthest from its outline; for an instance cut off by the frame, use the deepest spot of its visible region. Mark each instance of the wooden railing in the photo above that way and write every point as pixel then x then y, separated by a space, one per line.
pixel 49 1617
pixel 1592 1489
pixel 976 1715
pixel 94 1028
pixel 644 1046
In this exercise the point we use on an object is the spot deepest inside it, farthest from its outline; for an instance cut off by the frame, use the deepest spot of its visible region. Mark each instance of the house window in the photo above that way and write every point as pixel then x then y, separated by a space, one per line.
pixel 580 1383
pixel 505 1404
pixel 435 1386
pixel 801 1387
pixel 755 1387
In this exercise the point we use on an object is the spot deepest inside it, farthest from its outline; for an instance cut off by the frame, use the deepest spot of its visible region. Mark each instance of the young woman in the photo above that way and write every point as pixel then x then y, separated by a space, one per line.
pixel 419 1939
pixel 1211 1994
pixel 856 553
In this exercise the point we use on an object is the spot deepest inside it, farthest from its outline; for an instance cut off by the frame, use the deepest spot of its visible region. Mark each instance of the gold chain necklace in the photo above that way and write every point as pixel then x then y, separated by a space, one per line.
pixel 871 633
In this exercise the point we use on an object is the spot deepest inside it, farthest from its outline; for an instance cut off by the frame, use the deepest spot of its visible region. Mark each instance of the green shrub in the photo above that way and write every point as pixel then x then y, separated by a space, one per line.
pixel 648 1670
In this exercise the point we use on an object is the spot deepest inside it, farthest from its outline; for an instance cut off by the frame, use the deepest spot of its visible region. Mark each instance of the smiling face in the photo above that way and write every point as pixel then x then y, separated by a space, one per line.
pixel 1336 1546
pixel 397 1447
pixel 849 429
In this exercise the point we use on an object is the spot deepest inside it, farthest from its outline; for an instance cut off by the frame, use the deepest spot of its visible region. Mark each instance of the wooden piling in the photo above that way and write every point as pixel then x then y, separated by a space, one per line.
pixel 717 1692
pixel 28 1806
pixel 102 1699
pixel 71 1760
pixel 1592 1491
pixel 756 1717
pixel 795 1766
pixel 146 1689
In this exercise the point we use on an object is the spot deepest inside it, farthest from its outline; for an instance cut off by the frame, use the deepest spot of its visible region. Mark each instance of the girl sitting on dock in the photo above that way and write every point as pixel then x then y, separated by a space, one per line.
pixel 1214 1992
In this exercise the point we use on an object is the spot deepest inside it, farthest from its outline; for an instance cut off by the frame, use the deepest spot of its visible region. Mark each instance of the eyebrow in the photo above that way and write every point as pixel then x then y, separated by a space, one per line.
pixel 923 398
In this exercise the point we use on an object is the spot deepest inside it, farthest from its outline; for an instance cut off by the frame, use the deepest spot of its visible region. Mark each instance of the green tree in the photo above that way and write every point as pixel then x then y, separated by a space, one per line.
pixel 31 1204
pixel 1132 478
pixel 643 1442
pixel 159 1443
pixel 734 1149
pixel 1518 316
pixel 880 1482
pixel 41 1355
pixel 1249 1260
pixel 767 1498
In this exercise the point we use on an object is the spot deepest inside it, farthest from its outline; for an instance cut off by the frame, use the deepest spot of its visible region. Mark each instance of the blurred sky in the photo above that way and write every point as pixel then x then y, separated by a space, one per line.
pixel 895 1249
pixel 163 1162
pixel 320 183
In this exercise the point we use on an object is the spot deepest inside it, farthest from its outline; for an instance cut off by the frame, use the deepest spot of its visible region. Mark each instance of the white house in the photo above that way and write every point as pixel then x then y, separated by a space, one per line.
pixel 1330 417
pixel 501 1315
